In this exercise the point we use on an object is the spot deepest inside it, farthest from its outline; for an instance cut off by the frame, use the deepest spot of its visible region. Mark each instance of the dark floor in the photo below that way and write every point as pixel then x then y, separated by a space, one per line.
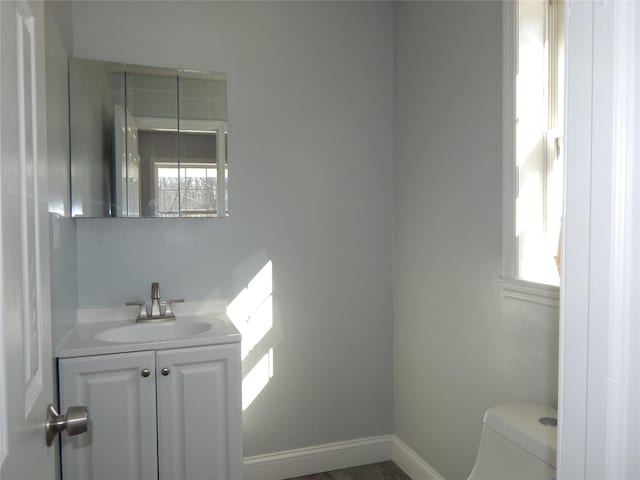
pixel 375 471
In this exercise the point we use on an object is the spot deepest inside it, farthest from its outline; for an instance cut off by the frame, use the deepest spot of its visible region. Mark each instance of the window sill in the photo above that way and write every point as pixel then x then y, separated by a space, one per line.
pixel 521 290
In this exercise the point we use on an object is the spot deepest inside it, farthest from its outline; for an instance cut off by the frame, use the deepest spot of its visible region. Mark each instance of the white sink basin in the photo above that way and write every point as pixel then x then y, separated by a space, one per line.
pixel 150 332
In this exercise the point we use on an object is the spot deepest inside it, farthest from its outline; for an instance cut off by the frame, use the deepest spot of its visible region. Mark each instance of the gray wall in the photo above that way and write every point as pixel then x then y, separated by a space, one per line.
pixel 311 117
pixel 310 106
pixel 459 347
pixel 62 230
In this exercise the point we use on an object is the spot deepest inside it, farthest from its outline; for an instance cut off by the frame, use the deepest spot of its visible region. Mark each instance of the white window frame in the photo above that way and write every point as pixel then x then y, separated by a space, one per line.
pixel 219 127
pixel 158 162
pixel 512 286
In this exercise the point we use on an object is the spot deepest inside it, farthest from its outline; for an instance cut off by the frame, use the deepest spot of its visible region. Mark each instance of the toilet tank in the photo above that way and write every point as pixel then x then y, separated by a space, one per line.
pixel 515 444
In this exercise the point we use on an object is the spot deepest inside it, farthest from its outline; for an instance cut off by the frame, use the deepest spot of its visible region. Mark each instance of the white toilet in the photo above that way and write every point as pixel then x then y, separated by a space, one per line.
pixel 518 442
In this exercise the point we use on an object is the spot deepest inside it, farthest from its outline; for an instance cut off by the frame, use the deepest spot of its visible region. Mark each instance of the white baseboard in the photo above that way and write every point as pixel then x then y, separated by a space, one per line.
pixel 331 456
pixel 319 458
pixel 411 463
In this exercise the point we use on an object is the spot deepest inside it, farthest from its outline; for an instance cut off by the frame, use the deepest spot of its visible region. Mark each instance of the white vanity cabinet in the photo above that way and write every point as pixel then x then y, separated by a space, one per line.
pixel 121 440
pixel 199 413
pixel 167 414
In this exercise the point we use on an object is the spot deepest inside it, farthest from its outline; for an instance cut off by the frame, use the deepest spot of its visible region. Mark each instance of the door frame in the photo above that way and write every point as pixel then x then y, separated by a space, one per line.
pixel 599 393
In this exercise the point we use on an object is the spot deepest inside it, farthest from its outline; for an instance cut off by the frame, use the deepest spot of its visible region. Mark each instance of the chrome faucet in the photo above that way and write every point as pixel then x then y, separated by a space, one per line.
pixel 155 300
pixel 156 310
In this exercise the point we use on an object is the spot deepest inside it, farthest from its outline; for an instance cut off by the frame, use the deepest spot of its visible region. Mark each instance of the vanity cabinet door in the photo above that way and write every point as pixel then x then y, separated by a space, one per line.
pixel 199 413
pixel 121 441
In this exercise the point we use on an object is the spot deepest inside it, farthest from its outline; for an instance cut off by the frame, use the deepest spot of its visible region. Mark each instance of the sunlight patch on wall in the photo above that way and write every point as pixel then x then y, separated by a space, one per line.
pixel 258 378
pixel 251 311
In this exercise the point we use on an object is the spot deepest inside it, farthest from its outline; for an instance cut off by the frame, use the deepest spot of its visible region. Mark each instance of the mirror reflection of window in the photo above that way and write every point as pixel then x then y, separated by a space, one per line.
pixel 197 192
pixel 187 187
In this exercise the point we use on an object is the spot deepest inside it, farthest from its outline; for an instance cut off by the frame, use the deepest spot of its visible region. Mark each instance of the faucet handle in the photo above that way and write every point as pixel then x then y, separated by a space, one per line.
pixel 168 312
pixel 144 313
pixel 155 291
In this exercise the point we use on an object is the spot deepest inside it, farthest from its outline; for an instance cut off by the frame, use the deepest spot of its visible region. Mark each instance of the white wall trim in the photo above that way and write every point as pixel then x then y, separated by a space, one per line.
pixel 599 385
pixel 522 290
pixel 576 248
pixel 332 456
pixel 509 183
pixel 411 463
pixel 319 458
pixel 620 371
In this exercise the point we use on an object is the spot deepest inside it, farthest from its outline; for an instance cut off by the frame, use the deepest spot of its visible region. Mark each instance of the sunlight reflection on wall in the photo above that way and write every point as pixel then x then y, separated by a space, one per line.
pixel 254 382
pixel 251 311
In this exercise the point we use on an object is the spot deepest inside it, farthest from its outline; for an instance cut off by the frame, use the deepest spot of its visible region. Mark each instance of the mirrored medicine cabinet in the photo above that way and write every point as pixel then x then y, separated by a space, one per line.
pixel 147 141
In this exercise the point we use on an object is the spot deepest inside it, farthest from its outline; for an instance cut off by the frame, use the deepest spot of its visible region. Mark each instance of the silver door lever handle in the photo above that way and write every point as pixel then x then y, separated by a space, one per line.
pixel 76 421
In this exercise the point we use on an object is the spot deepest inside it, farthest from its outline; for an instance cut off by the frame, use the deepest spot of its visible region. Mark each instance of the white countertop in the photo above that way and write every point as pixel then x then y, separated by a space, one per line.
pixel 81 341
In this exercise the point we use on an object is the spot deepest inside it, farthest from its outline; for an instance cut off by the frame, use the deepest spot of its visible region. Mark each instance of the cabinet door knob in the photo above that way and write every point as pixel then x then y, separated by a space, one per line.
pixel 165 371
pixel 145 372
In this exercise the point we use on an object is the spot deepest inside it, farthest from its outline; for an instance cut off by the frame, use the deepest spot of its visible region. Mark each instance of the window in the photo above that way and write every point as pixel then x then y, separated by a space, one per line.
pixel 189 190
pixel 533 131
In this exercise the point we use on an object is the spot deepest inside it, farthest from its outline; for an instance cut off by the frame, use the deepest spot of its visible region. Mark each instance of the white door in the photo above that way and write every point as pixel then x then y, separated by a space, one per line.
pixel 120 392
pixel 26 385
pixel 199 417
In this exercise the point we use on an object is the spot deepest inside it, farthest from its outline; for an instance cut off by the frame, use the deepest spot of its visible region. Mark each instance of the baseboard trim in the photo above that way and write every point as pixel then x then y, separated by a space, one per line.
pixel 319 458
pixel 411 463
pixel 331 456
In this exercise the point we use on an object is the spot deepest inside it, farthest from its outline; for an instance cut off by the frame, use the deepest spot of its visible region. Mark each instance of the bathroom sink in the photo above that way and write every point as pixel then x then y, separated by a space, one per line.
pixel 150 332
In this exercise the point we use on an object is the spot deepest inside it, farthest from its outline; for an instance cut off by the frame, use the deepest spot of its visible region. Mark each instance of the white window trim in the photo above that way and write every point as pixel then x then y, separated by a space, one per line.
pixel 159 162
pixel 219 127
pixel 531 292
pixel 186 125
pixel 512 287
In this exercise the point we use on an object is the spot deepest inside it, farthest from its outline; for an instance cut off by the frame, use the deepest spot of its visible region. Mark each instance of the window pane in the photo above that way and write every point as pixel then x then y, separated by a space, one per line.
pixel 193 190
pixel 539 85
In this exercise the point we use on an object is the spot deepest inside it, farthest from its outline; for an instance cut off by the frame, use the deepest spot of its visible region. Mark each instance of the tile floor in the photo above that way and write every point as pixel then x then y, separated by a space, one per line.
pixel 375 471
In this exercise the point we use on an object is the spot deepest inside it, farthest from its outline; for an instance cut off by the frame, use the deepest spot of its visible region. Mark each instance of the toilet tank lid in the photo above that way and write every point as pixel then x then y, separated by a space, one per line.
pixel 520 423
